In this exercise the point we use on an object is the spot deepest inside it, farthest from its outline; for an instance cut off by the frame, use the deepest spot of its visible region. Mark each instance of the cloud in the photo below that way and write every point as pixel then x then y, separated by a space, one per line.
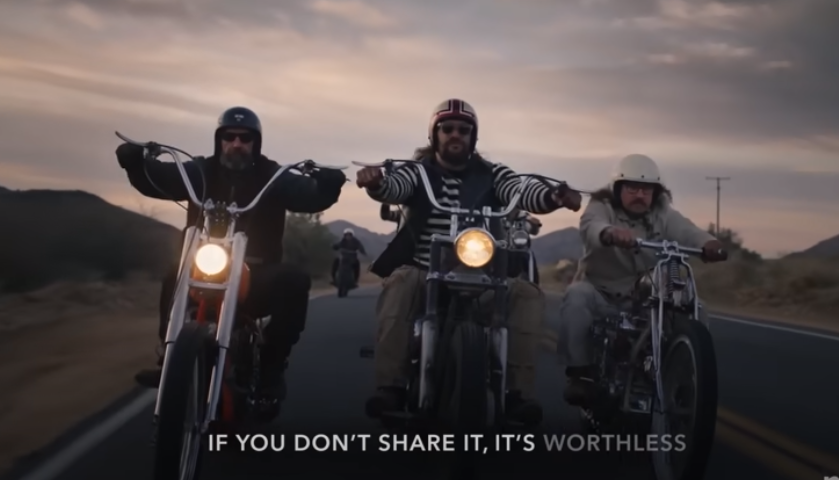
pixel 355 12
pixel 560 87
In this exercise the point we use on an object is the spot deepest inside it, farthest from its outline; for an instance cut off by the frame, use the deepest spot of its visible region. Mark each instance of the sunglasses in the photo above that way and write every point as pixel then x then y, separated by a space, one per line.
pixel 244 137
pixel 636 188
pixel 448 128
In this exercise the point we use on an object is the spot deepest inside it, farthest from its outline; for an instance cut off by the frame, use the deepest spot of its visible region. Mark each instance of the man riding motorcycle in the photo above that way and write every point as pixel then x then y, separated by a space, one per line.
pixel 237 171
pixel 459 174
pixel 348 242
pixel 635 204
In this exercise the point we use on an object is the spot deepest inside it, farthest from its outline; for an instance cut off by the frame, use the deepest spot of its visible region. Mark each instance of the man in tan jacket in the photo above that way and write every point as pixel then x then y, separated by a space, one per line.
pixel 635 204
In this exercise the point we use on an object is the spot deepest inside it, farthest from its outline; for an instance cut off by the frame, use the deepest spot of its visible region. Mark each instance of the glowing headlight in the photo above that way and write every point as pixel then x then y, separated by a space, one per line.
pixel 474 248
pixel 210 259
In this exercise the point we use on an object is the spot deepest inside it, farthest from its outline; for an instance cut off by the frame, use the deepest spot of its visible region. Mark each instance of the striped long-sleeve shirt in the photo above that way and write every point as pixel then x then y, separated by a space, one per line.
pixel 397 188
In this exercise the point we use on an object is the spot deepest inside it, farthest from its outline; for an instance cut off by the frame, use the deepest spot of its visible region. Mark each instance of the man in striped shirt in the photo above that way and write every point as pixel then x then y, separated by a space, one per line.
pixel 459 176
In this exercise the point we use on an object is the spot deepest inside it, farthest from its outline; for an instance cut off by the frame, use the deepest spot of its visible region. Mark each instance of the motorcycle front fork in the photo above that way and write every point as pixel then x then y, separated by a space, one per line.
pixel 423 342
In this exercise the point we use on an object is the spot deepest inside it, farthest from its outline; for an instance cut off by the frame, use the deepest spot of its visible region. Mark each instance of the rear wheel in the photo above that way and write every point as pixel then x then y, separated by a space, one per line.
pixel 344 281
pixel 464 400
pixel 689 417
pixel 183 406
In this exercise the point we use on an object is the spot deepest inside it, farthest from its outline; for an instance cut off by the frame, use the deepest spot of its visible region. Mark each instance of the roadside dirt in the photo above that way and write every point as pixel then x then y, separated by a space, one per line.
pixel 67 353
pixel 70 350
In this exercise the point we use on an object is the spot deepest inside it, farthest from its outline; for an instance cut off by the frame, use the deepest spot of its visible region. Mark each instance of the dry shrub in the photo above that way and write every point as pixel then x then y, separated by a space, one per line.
pixel 790 285
pixel 63 301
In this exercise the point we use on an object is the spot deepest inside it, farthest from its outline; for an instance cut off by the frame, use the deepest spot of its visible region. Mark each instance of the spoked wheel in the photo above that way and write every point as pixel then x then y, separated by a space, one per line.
pixel 465 399
pixel 689 381
pixel 464 395
pixel 183 405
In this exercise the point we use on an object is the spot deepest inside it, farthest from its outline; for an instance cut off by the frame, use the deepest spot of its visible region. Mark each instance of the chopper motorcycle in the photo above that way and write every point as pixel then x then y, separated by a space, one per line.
pixel 657 370
pixel 458 350
pixel 211 362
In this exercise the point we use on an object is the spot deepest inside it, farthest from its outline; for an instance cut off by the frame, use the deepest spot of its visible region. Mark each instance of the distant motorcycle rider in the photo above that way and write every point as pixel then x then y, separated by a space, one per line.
pixel 348 242
pixel 635 204
pixel 459 174
pixel 236 172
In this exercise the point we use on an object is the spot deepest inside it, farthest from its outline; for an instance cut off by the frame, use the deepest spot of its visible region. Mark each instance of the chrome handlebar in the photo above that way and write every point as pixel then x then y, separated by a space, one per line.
pixel 389 163
pixel 154 149
pixel 668 247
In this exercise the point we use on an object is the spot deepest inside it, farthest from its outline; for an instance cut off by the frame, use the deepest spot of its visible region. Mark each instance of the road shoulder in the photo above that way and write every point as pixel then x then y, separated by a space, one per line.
pixel 70 370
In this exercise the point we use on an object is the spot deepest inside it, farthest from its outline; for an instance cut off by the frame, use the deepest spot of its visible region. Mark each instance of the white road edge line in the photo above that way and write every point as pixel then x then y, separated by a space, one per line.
pixel 809 333
pixel 776 327
pixel 65 458
pixel 53 467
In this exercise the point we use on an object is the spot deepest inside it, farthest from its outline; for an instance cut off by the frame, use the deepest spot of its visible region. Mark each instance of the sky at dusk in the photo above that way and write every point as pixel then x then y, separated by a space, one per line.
pixel 738 88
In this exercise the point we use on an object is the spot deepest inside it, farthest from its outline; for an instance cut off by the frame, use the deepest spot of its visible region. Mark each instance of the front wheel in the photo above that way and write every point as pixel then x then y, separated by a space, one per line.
pixel 464 399
pixel 689 417
pixel 183 406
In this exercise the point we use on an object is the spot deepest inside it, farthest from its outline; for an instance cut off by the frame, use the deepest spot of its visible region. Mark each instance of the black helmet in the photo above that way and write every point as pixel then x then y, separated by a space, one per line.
pixel 240 117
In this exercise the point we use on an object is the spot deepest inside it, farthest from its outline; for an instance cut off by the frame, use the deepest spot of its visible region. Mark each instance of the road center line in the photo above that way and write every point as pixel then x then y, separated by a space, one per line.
pixel 769 457
pixel 783 444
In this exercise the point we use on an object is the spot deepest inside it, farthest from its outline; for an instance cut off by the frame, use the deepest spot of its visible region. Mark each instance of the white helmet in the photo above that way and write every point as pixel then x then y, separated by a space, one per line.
pixel 453 108
pixel 348 230
pixel 636 168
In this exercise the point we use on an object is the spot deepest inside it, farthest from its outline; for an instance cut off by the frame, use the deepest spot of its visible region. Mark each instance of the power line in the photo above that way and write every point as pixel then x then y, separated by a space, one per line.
pixel 718 180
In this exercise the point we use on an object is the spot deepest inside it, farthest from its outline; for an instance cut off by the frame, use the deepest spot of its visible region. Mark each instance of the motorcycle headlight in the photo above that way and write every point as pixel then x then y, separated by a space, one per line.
pixel 520 238
pixel 474 248
pixel 211 259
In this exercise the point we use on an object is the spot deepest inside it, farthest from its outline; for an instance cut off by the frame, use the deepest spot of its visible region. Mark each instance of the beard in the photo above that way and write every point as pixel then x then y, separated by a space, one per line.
pixel 455 157
pixel 236 160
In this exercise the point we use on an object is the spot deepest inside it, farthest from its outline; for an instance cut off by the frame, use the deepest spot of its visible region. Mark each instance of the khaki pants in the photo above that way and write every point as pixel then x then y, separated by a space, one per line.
pixel 580 306
pixel 401 301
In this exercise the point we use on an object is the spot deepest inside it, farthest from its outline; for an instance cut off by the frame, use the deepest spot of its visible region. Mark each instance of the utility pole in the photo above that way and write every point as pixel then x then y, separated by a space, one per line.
pixel 718 180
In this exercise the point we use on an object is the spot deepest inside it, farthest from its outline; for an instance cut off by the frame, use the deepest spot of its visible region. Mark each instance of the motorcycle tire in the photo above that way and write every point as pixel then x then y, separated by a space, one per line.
pixel 465 400
pixel 690 340
pixel 186 381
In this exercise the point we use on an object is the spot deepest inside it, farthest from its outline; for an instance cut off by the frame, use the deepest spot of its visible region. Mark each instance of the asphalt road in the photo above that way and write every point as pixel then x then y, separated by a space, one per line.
pixel 779 415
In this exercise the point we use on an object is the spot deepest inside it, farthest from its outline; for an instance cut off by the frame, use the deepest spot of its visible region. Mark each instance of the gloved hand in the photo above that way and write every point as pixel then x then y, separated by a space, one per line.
pixel 130 155
pixel 619 237
pixel 369 177
pixel 329 179
pixel 714 251
pixel 570 199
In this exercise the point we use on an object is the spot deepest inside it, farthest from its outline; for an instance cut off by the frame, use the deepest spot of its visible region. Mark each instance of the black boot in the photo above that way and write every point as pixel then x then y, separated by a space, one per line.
pixel 272 385
pixel 580 389
pixel 521 410
pixel 386 399
pixel 271 388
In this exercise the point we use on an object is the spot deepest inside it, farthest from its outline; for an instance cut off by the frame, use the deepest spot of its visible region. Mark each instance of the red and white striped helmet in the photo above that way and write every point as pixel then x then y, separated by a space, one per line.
pixel 454 109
